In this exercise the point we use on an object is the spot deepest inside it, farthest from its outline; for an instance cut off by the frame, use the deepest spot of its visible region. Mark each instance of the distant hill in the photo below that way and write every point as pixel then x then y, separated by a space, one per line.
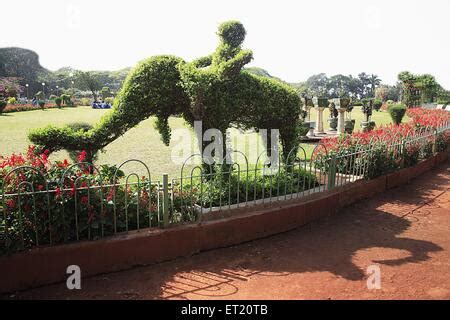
pixel 22 63
pixel 259 72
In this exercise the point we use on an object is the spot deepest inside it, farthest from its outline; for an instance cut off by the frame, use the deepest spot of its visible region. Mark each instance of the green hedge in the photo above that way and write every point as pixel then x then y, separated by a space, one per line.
pixel 397 112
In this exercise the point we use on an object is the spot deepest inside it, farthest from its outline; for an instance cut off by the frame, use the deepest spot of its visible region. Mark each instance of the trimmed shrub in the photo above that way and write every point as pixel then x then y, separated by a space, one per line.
pixel 349 126
pixel 12 100
pixel 66 99
pixel 377 103
pixel 109 100
pixel 85 101
pixel 215 89
pixel 2 105
pixel 52 97
pixel 41 104
pixel 397 112
pixel 58 102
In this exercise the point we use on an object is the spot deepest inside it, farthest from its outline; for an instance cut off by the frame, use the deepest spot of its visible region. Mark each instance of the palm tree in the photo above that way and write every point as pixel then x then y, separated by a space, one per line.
pixel 374 81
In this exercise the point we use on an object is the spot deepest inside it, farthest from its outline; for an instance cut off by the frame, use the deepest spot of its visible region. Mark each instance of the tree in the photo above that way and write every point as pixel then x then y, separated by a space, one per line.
pixel 374 81
pixel 105 93
pixel 10 86
pixel 89 81
pixel 382 93
pixel 417 89
pixel 428 87
pixel 386 92
pixel 318 85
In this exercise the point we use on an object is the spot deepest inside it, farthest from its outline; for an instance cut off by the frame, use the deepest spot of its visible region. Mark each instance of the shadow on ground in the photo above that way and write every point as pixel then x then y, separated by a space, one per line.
pixel 328 245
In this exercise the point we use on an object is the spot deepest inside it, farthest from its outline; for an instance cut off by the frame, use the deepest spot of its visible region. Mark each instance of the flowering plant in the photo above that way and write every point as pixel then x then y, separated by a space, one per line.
pixel 45 203
pixel 388 147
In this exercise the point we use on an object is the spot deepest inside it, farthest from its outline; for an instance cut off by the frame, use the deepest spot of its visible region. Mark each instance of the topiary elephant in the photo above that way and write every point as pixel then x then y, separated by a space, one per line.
pixel 214 89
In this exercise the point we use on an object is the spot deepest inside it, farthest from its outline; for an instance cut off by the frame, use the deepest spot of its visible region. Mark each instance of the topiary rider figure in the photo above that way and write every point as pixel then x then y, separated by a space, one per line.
pixel 214 89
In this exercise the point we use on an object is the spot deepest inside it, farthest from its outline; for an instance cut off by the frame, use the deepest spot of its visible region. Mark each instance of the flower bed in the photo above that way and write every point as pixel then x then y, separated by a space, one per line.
pixel 27 107
pixel 48 203
pixel 391 147
pixel 428 117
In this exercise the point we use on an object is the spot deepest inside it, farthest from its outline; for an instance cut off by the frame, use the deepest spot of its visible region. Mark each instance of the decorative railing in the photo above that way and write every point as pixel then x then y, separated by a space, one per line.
pixel 86 203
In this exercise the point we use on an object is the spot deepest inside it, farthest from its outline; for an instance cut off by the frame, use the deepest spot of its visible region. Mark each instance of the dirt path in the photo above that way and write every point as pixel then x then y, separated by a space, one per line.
pixel 406 232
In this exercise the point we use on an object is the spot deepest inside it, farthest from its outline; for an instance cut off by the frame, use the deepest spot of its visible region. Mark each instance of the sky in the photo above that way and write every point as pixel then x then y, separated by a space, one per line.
pixel 292 39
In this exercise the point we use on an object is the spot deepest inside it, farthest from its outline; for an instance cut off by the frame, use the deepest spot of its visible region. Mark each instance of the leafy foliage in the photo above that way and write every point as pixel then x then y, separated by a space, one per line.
pixel 377 103
pixel 214 89
pixel 88 81
pixel 397 112
pixel 339 85
pixel 58 102
pixel 3 104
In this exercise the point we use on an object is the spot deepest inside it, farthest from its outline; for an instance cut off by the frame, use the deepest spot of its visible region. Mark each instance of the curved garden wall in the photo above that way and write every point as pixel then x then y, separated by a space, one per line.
pixel 45 265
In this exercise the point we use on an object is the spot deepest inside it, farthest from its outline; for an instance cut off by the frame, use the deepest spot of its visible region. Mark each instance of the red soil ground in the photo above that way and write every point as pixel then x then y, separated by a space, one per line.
pixel 405 231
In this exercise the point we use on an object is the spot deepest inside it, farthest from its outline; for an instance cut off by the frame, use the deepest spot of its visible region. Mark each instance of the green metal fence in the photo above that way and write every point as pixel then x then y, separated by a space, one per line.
pixel 84 203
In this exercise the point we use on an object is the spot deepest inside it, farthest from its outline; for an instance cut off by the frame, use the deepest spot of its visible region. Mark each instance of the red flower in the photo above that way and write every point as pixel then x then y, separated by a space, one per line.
pixel 84 200
pixel 82 156
pixel 111 194
pixel 11 203
pixel 40 187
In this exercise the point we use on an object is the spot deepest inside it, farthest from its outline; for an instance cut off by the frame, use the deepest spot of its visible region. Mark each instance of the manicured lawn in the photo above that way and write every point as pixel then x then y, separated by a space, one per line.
pixel 142 142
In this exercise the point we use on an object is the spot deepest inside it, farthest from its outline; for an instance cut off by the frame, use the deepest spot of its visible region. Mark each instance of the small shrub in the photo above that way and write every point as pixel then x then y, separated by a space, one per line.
pixel 12 100
pixel 2 105
pixel 377 103
pixel 370 126
pixel 41 104
pixel 85 101
pixel 397 112
pixel 349 126
pixel 58 102
pixel 66 99
pixel 109 100
pixel 52 97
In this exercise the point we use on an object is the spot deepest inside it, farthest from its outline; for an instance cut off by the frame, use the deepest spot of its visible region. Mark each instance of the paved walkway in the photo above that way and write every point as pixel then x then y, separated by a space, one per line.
pixel 406 232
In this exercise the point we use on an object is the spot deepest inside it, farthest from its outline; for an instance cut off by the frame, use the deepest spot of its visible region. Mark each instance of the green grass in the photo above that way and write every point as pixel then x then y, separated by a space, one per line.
pixel 142 142
pixel 380 117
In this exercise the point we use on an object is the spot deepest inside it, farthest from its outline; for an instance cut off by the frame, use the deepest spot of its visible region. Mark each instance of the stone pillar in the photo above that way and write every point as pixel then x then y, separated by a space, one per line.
pixel 319 123
pixel 341 120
